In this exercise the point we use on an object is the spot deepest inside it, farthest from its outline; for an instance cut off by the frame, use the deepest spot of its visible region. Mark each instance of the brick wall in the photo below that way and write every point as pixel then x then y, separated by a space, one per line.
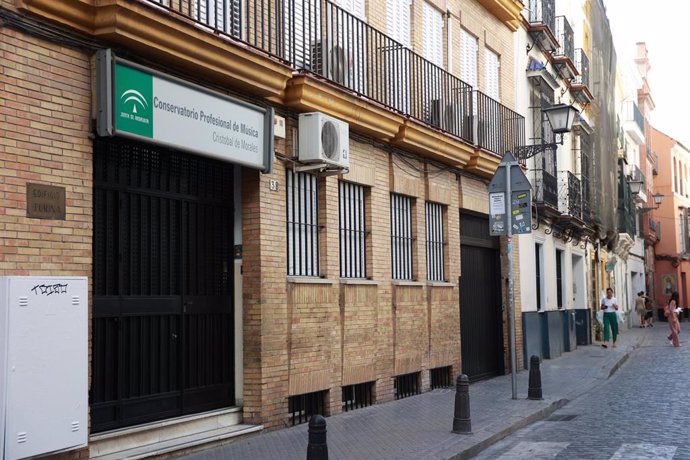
pixel 45 92
pixel 306 335
pixel 44 125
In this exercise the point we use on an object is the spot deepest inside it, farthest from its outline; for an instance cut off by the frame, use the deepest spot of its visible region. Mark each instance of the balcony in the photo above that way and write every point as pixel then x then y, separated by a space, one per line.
pixel 546 191
pixel 633 122
pixel 569 195
pixel 653 231
pixel 540 75
pixel 309 55
pixel 542 22
pixel 626 205
pixel 579 87
pixel 497 129
pixel 564 56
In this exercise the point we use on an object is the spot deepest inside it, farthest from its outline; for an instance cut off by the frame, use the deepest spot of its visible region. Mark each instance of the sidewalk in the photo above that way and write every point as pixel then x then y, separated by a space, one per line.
pixel 420 426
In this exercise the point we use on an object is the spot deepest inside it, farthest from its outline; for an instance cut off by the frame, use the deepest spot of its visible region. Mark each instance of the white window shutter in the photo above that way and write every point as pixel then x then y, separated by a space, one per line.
pixel 432 30
pixel 398 59
pixel 398 20
pixel 492 71
pixel 468 58
pixel 354 7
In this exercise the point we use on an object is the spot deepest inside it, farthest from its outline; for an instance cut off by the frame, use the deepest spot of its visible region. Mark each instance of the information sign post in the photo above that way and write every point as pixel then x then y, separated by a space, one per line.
pixel 510 211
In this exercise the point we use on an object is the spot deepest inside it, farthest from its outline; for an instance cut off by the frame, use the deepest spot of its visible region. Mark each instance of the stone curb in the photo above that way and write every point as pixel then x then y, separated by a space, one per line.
pixel 474 450
pixel 484 444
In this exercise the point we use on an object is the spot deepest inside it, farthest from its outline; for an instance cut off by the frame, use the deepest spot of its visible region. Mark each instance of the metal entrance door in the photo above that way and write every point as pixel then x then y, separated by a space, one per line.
pixel 162 284
pixel 481 325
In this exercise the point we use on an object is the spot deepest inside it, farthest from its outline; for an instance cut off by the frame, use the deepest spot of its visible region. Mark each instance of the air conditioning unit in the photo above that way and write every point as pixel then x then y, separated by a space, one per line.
pixel 445 115
pixel 324 139
pixel 331 61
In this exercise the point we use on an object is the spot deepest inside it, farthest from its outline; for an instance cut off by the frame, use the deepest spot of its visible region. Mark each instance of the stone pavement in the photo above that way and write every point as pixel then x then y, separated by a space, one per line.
pixel 419 427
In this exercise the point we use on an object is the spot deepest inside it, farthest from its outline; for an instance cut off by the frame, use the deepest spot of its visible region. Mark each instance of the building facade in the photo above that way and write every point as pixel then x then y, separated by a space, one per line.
pixel 671 252
pixel 237 275
pixel 570 60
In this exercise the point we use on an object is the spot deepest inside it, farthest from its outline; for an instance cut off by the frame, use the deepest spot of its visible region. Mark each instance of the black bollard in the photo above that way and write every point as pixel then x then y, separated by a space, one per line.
pixel 462 422
pixel 534 391
pixel 317 448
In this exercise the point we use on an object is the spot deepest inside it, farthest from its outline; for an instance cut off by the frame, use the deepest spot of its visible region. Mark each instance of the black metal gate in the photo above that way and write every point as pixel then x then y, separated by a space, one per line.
pixel 162 284
pixel 481 325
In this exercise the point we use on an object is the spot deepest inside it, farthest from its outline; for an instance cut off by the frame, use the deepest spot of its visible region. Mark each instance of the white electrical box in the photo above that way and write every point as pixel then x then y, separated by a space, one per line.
pixel 43 365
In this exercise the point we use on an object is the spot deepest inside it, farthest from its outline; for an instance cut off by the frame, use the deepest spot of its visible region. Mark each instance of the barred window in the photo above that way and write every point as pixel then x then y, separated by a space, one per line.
pixel 302 224
pixel 434 242
pixel 352 231
pixel 401 237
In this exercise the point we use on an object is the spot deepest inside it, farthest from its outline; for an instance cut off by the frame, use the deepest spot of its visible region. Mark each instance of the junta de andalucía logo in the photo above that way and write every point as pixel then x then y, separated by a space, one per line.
pixel 133 109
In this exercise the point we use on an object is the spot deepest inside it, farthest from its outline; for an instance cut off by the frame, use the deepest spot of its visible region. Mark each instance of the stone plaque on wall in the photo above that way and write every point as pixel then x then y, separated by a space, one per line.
pixel 45 201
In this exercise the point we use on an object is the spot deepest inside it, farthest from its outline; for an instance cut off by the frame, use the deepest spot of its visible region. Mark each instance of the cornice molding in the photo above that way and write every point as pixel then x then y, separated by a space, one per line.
pixel 307 93
pixel 432 144
pixel 483 163
pixel 167 38
pixel 507 11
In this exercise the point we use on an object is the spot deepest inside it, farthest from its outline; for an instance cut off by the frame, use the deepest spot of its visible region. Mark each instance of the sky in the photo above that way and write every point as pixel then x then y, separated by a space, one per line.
pixel 664 26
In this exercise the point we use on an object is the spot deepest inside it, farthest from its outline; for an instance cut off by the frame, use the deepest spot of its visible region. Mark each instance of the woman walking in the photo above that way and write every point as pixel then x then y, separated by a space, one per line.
pixel 609 305
pixel 673 322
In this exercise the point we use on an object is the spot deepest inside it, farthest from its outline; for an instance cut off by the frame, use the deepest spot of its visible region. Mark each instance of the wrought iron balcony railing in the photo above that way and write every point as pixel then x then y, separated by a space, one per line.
pixel 570 194
pixel 543 11
pixel 582 66
pixel 654 229
pixel 497 128
pixel 546 188
pixel 319 37
pixel 565 37
pixel 626 205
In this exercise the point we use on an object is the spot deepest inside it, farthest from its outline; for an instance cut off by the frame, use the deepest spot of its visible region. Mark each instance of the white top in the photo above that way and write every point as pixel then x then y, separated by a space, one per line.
pixel 609 303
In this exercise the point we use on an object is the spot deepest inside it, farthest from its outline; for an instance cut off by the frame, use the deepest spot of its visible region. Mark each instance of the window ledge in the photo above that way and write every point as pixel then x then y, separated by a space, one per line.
pixel 357 281
pixel 407 283
pixel 440 284
pixel 309 280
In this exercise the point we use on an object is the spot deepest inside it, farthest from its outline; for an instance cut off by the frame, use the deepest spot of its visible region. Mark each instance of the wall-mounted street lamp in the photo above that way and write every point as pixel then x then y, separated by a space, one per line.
pixel 561 118
pixel 636 187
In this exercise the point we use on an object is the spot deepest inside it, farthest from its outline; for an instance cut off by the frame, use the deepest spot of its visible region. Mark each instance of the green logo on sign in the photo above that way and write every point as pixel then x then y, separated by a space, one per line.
pixel 133 101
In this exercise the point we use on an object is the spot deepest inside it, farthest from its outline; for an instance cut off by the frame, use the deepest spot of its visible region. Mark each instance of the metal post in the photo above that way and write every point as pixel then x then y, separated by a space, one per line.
pixel 462 422
pixel 511 306
pixel 317 449
pixel 534 390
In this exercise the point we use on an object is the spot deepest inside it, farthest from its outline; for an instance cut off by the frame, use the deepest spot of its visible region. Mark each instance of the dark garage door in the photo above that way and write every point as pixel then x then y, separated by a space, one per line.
pixel 481 325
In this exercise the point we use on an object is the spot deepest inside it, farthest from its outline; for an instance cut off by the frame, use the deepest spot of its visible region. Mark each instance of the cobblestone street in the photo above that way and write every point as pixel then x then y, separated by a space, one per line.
pixel 642 412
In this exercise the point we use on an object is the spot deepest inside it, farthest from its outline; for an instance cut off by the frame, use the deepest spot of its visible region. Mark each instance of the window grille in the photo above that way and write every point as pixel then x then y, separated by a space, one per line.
pixel 406 385
pixel 352 231
pixel 401 237
pixel 441 377
pixel 302 224
pixel 434 242
pixel 303 407
pixel 358 396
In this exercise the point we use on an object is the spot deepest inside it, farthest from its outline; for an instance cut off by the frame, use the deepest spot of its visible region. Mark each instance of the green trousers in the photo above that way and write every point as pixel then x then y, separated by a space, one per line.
pixel 610 322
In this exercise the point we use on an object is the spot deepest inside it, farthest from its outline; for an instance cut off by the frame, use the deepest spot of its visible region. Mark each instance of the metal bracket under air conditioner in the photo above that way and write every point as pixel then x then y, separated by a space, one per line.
pixel 320 169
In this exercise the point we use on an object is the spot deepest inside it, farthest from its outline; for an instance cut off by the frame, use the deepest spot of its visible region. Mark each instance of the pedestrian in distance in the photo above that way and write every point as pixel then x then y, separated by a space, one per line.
pixel 671 312
pixel 640 308
pixel 649 317
pixel 609 305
